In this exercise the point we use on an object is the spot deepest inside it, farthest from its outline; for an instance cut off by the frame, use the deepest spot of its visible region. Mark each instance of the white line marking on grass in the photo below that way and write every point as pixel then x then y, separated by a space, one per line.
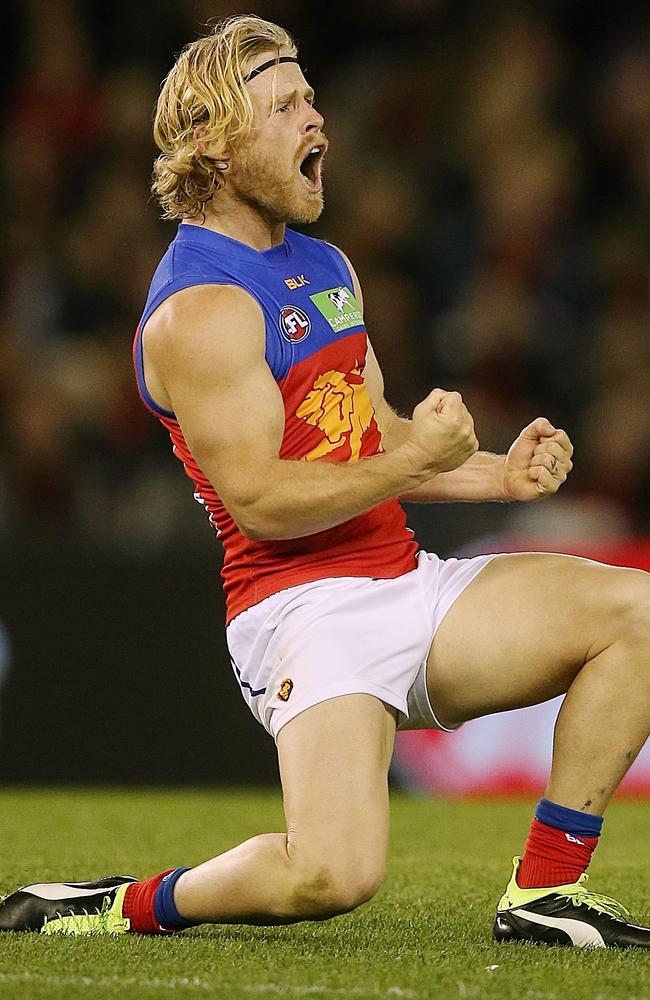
pixel 195 982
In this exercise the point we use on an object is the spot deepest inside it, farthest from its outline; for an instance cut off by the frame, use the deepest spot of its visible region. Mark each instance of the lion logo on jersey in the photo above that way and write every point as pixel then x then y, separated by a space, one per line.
pixel 339 405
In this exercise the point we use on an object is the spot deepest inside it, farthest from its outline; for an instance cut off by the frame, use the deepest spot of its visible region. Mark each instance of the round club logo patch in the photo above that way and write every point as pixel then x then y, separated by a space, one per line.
pixel 294 323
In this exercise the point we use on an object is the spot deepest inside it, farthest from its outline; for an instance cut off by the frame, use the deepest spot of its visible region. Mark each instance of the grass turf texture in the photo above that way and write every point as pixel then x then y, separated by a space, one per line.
pixel 427 933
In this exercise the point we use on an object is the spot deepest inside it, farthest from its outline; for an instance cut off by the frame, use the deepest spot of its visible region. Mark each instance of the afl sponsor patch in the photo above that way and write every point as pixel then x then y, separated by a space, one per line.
pixel 339 307
pixel 294 324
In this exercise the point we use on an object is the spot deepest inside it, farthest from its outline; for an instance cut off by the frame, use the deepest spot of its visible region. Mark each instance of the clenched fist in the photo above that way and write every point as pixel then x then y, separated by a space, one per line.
pixel 441 436
pixel 537 463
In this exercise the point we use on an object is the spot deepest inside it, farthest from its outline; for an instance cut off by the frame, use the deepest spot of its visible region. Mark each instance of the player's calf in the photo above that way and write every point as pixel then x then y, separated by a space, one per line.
pixel 312 890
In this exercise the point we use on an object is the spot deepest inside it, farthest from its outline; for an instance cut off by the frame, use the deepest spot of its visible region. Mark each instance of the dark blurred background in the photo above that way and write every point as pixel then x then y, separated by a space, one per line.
pixel 489 176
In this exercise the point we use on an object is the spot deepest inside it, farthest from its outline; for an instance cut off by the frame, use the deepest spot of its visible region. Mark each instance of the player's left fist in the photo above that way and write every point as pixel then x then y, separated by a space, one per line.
pixel 537 463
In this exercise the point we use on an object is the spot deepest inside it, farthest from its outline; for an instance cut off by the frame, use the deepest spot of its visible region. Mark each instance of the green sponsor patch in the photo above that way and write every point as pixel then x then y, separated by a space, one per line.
pixel 339 307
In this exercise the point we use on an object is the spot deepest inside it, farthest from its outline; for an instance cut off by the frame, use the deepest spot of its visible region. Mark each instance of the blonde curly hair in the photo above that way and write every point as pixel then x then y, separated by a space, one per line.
pixel 206 87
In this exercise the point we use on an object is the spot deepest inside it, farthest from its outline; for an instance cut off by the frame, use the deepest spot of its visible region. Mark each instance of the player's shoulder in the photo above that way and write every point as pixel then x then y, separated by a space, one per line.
pixel 203 314
pixel 343 258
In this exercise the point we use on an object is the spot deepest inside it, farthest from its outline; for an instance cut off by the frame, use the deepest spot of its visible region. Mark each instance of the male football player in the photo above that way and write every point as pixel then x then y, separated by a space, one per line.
pixel 253 354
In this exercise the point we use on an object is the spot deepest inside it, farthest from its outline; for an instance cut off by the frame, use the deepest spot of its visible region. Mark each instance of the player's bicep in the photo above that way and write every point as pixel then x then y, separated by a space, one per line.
pixel 234 430
pixel 212 363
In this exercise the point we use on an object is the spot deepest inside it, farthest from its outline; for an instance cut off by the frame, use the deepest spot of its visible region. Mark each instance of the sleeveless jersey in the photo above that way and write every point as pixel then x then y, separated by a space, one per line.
pixel 316 349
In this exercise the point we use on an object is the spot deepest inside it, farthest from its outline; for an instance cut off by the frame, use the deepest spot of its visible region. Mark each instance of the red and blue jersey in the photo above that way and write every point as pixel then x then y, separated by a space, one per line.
pixel 316 349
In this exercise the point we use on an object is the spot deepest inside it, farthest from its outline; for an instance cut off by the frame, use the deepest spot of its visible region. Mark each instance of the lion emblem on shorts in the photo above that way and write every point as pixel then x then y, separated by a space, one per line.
pixel 339 405
pixel 286 687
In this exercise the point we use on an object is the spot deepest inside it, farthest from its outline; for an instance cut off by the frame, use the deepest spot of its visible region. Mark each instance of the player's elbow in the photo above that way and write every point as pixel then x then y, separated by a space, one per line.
pixel 258 511
pixel 264 529
pixel 265 526
pixel 243 500
pixel 252 529
pixel 253 520
pixel 248 520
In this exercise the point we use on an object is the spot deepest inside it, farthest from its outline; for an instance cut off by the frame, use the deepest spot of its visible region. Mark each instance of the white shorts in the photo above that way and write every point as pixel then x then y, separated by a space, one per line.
pixel 347 635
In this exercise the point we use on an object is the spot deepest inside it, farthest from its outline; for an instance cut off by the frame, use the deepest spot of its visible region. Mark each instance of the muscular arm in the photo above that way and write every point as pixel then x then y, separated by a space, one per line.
pixel 204 353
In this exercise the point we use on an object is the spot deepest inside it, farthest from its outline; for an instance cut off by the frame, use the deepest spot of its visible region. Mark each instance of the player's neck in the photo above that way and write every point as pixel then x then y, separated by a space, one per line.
pixel 243 223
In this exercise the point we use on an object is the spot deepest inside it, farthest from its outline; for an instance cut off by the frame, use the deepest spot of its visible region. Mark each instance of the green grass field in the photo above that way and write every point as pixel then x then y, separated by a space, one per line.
pixel 427 933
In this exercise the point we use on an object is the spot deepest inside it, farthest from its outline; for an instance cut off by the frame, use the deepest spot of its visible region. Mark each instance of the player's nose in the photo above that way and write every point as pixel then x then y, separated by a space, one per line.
pixel 314 121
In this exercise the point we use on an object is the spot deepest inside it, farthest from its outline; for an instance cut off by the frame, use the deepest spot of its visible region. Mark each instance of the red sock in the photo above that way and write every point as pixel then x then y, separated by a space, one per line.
pixel 138 905
pixel 553 857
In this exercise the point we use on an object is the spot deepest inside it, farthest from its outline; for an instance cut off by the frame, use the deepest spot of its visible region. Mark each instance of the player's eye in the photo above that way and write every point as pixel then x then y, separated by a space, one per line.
pixel 283 107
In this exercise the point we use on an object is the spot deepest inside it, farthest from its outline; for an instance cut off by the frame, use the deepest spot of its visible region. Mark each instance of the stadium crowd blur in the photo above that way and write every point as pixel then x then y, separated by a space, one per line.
pixel 488 174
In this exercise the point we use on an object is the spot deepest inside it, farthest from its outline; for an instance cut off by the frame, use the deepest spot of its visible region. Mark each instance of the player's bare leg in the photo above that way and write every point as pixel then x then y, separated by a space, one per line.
pixel 528 628
pixel 533 626
pixel 334 761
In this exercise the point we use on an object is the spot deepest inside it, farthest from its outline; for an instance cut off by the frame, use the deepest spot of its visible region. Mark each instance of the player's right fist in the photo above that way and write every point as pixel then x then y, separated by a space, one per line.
pixel 442 434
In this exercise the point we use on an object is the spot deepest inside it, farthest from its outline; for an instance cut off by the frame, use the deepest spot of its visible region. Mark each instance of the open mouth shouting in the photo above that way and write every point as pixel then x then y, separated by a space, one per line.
pixel 310 166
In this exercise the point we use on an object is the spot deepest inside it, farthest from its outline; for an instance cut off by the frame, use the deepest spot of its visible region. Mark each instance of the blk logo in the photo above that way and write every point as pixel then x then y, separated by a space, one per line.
pixel 298 282
pixel 294 323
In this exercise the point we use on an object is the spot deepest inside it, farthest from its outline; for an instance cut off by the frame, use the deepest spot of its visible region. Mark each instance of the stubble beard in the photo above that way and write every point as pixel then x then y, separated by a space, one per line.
pixel 276 194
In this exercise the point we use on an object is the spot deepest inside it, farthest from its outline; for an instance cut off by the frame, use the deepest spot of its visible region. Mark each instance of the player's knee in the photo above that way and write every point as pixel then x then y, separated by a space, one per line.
pixel 632 606
pixel 331 887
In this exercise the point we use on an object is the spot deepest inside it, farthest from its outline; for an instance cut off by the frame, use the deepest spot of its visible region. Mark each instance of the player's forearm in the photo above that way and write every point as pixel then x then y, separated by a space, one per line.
pixel 301 498
pixel 479 480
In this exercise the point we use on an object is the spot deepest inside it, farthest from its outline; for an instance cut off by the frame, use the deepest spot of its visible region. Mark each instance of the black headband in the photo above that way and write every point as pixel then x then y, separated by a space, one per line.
pixel 267 65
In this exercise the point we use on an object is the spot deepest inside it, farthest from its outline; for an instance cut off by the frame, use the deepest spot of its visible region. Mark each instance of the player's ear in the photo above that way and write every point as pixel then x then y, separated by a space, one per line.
pixel 205 148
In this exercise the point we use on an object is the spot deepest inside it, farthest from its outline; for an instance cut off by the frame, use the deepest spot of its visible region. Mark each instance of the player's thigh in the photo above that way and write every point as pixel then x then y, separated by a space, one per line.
pixel 334 761
pixel 521 631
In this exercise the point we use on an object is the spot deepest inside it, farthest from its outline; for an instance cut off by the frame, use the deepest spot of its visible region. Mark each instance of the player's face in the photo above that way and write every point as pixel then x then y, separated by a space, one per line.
pixel 278 168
